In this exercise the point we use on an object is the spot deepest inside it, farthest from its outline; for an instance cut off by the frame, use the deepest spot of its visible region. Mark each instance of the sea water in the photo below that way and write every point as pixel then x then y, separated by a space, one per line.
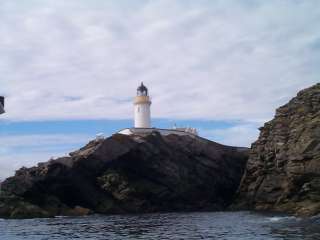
pixel 196 225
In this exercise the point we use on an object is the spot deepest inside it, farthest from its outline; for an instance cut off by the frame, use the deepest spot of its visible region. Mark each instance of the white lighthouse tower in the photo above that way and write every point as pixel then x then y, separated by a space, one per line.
pixel 142 103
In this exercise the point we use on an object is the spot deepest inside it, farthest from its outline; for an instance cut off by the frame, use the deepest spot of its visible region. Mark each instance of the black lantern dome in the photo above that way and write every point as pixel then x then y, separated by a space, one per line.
pixel 142 90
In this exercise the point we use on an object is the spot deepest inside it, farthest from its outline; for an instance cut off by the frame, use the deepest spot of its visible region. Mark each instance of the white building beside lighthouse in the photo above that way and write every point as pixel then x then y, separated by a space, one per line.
pixel 142 118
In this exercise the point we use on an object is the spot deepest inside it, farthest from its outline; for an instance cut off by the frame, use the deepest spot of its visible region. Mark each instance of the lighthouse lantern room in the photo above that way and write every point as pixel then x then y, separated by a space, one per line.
pixel 142 102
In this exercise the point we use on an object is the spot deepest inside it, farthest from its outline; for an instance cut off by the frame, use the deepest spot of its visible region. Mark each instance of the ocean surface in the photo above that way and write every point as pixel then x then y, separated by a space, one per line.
pixel 204 225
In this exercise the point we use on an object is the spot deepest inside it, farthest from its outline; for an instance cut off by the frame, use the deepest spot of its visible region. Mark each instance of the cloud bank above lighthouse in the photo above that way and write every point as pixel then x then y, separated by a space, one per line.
pixel 216 60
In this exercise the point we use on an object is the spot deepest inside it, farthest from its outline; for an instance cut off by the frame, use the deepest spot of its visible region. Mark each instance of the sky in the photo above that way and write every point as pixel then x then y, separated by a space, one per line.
pixel 69 69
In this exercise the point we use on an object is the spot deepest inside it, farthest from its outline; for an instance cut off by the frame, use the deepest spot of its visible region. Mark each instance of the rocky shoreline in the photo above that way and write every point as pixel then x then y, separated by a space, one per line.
pixel 128 174
pixel 155 173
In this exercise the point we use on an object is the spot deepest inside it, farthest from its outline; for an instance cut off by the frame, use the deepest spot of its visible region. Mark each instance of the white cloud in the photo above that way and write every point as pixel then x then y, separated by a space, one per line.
pixel 10 163
pixel 27 150
pixel 201 59
pixel 37 139
pixel 237 135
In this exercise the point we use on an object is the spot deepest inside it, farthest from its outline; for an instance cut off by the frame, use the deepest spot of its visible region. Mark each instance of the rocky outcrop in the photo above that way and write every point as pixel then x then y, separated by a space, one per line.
pixel 128 174
pixel 283 170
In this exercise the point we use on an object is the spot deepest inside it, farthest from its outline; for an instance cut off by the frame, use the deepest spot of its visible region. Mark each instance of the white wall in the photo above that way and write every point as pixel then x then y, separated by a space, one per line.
pixel 165 132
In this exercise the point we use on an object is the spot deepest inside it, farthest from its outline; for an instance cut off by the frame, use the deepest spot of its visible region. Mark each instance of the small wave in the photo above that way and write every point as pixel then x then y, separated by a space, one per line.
pixel 278 219
pixel 316 217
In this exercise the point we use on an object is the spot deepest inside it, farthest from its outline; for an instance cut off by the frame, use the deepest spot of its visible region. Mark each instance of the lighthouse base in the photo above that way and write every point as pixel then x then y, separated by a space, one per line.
pixel 145 131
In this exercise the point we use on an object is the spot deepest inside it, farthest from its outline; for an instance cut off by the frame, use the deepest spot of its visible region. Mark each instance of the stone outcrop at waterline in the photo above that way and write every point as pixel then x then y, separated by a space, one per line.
pixel 128 174
pixel 283 170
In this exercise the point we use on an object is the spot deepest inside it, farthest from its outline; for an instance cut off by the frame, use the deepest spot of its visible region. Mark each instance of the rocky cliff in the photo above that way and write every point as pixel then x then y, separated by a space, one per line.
pixel 283 170
pixel 128 174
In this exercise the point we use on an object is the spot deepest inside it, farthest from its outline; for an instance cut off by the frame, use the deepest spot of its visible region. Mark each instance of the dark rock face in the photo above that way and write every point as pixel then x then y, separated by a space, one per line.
pixel 127 174
pixel 283 170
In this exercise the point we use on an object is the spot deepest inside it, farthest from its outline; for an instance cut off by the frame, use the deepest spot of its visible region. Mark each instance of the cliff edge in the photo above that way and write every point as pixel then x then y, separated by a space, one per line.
pixel 283 170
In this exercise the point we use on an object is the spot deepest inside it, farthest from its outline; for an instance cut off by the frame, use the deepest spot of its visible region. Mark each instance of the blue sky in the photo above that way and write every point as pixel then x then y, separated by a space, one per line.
pixel 69 69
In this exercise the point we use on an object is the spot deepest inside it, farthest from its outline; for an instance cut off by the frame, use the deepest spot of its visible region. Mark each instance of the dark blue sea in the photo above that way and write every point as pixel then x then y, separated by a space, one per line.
pixel 204 225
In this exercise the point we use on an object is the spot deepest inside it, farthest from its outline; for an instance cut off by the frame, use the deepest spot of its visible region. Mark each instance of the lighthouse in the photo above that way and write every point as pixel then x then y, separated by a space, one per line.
pixel 142 119
pixel 1 104
pixel 142 103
